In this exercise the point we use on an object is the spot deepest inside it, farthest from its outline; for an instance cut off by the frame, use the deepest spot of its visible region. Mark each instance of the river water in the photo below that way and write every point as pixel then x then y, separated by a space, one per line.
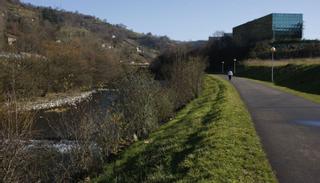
pixel 57 124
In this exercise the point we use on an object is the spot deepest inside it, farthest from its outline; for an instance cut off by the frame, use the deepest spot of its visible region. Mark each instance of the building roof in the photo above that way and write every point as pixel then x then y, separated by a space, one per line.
pixel 271 14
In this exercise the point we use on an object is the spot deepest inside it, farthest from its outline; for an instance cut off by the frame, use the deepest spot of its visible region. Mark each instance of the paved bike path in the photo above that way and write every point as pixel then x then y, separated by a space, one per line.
pixel 289 128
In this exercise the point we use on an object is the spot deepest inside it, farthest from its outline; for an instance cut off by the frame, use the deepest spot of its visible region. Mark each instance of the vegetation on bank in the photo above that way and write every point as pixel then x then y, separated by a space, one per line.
pixel 140 105
pixel 67 69
pixel 299 75
pixel 211 140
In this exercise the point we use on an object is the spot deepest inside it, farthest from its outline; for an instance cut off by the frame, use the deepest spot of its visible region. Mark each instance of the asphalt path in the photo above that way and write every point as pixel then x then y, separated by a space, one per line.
pixel 289 128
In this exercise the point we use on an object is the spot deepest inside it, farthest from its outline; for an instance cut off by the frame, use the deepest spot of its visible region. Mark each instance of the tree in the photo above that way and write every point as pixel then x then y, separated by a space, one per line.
pixel 182 72
pixel 52 16
pixel 2 23
pixel 136 101
pixel 218 34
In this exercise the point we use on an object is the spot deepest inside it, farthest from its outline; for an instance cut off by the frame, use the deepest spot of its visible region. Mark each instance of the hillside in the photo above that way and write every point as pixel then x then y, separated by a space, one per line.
pixel 33 27
pixel 44 50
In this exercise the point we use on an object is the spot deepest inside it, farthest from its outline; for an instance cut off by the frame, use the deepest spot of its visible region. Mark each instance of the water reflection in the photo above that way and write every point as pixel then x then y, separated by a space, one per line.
pixel 308 122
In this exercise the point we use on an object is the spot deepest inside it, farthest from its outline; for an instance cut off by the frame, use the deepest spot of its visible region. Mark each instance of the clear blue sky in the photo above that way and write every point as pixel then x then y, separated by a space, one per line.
pixel 189 19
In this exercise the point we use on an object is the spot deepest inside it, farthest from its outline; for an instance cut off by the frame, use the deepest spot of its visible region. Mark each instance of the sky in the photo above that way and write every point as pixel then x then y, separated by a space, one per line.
pixel 187 20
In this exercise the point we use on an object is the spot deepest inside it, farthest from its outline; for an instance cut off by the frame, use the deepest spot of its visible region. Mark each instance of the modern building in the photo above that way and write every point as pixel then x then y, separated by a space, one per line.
pixel 220 35
pixel 275 26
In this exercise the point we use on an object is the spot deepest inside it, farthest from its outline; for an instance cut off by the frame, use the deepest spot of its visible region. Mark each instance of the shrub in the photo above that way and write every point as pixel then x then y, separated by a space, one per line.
pixel 136 101
pixel 182 73
pixel 15 129
pixel 164 104
pixel 52 16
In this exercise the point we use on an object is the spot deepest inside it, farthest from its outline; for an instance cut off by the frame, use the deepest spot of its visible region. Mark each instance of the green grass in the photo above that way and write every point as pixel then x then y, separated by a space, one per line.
pixel 211 140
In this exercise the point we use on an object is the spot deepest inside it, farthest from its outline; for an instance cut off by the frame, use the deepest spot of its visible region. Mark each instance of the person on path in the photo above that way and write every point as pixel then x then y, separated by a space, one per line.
pixel 230 74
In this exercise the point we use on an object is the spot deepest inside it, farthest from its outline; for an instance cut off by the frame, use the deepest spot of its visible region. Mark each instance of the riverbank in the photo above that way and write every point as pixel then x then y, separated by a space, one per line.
pixel 56 101
pixel 212 139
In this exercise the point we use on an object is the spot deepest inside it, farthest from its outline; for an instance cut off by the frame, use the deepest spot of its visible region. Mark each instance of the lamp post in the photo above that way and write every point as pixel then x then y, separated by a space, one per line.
pixel 273 50
pixel 234 65
pixel 222 67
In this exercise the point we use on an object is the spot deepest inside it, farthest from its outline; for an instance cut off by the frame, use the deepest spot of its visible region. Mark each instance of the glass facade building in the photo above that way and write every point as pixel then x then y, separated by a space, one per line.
pixel 275 26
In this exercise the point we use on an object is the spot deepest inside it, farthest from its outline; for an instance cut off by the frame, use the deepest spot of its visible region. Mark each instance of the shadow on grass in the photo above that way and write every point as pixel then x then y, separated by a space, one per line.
pixel 163 159
pixel 179 157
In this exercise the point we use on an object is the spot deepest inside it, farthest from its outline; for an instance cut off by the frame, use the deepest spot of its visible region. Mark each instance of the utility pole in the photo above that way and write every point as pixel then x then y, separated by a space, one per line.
pixel 234 65
pixel 222 68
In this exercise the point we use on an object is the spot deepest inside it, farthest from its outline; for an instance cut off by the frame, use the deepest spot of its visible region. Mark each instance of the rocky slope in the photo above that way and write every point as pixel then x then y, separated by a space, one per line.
pixel 31 27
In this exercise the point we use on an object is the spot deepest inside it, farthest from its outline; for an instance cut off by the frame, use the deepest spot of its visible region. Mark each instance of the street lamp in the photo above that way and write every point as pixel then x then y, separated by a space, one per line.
pixel 234 65
pixel 273 50
pixel 222 68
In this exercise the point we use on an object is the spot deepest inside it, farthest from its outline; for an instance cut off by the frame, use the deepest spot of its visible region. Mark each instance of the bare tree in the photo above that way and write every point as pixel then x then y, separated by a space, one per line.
pixel 218 33
pixel 183 73
pixel 2 24
pixel 15 132
pixel 137 103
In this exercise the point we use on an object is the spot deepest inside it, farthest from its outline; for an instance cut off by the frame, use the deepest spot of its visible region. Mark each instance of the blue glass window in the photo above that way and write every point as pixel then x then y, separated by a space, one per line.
pixel 287 25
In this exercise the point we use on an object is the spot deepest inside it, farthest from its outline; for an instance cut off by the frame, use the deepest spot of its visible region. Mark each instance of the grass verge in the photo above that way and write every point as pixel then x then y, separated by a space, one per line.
pixel 299 77
pixel 211 140
pixel 312 97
